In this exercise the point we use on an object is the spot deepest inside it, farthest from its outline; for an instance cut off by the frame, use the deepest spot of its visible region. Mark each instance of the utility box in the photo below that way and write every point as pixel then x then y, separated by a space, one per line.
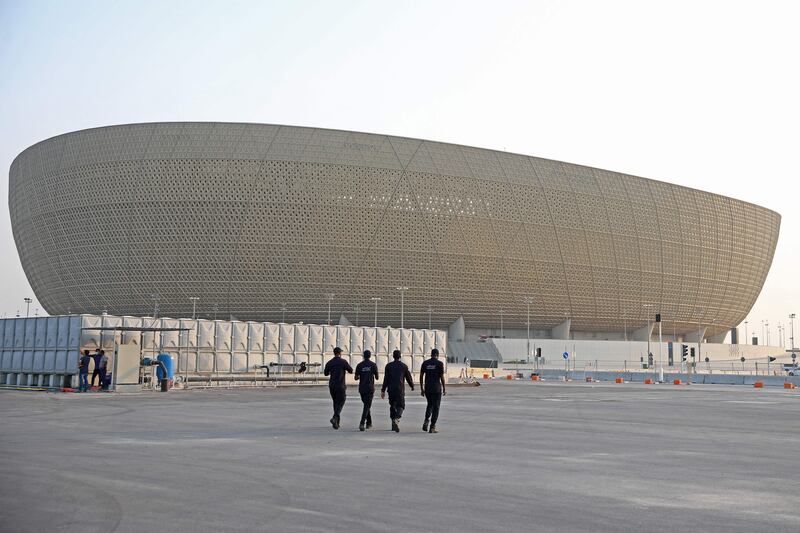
pixel 126 367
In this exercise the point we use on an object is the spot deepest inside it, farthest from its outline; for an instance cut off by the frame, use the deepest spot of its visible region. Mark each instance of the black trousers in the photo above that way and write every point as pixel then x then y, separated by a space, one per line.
pixel 432 410
pixel 366 397
pixel 96 374
pixel 397 404
pixel 339 396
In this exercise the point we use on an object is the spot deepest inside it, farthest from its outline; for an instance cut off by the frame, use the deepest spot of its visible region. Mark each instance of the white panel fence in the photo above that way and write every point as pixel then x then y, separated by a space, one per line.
pixel 44 351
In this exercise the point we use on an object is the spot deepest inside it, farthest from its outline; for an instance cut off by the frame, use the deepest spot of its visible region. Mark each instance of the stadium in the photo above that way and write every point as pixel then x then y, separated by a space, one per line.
pixel 289 224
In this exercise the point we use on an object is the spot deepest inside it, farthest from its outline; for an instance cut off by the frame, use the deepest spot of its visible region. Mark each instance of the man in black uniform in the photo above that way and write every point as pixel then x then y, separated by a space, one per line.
pixel 393 376
pixel 366 374
pixel 96 356
pixel 431 381
pixel 336 368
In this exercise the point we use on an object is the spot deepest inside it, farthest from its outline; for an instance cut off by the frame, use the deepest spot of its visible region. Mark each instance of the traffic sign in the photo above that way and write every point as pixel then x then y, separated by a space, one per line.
pixel 565 355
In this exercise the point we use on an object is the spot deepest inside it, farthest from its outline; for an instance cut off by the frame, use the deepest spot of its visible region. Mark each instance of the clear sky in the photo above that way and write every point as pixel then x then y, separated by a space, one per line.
pixel 699 93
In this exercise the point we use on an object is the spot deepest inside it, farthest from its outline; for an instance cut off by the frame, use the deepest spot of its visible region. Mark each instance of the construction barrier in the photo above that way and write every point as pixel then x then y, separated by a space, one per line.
pixel 509 377
pixel 534 377
pixel 787 385
pixel 758 384
pixel 676 382
pixel 648 381
pixel 619 380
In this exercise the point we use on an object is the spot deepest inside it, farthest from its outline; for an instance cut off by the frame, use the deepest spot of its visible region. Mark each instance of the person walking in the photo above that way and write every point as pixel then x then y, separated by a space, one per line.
pixel 394 377
pixel 83 371
pixel 103 369
pixel 96 356
pixel 336 369
pixel 366 374
pixel 431 382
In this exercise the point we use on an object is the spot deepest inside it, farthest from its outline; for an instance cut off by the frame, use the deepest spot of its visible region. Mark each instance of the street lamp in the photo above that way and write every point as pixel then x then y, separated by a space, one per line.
pixel 791 331
pixel 700 314
pixel 660 351
pixel 155 298
pixel 330 296
pixel 27 305
pixel 699 311
pixel 402 303
pixel 528 302
pixel 283 313
pixel 647 308
pixel 430 315
pixel 501 323
pixel 376 300
pixel 746 340
pixel 357 310
pixel 766 339
pixel 194 306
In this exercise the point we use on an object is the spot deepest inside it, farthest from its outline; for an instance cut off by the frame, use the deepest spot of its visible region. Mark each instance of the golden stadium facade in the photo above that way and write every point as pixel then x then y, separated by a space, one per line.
pixel 264 222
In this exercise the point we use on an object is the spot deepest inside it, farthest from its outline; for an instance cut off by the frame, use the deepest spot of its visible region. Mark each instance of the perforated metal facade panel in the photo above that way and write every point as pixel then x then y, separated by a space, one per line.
pixel 251 217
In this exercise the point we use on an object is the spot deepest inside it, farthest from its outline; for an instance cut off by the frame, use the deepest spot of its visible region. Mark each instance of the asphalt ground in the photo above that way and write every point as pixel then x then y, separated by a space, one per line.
pixel 515 456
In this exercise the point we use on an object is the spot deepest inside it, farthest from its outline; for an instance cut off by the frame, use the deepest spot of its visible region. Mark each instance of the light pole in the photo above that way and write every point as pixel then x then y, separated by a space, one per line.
pixel 330 296
pixel 216 308
pixel 746 340
pixel 766 339
pixel 430 316
pixel 194 306
pixel 283 313
pixel 791 331
pixel 660 348
pixel 402 304
pixel 647 308
pixel 376 300
pixel 357 310
pixel 501 323
pixel 699 311
pixel 528 302
pixel 155 305
pixel 763 338
pixel 27 305
pixel 699 335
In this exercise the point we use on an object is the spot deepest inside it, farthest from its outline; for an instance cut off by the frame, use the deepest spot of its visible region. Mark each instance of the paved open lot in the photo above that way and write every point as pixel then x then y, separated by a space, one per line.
pixel 514 456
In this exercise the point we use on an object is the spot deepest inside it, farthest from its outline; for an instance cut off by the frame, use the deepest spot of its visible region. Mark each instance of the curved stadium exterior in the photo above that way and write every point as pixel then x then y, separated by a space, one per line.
pixel 252 218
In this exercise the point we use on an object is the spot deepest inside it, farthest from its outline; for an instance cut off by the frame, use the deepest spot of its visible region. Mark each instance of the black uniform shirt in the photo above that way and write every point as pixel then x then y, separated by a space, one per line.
pixel 366 374
pixel 433 369
pixel 393 376
pixel 336 368
pixel 84 364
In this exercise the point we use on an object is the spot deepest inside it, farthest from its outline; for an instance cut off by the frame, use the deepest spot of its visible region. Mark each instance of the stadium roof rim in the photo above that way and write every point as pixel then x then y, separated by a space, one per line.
pixel 158 122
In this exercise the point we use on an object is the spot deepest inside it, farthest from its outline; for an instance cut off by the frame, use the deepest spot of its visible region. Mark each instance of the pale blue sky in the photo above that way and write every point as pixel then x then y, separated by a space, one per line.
pixel 699 93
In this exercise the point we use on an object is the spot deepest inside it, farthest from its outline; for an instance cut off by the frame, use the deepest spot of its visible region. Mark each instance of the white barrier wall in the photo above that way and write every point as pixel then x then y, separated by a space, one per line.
pixel 255 337
pixel 51 345
pixel 628 354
